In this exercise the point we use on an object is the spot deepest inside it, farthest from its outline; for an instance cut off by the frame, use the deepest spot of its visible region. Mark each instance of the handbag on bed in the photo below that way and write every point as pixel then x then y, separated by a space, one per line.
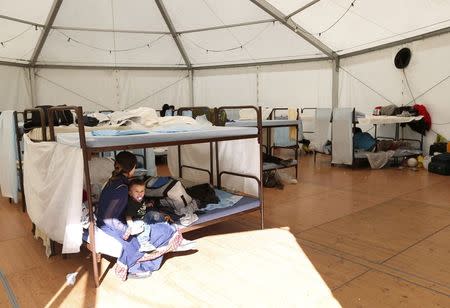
pixel 169 192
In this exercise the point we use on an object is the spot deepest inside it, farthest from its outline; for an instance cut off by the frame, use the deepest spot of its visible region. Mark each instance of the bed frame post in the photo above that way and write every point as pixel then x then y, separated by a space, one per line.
pixel 96 258
pixel 211 163
pixel 180 167
pixel 219 182
pixel 260 188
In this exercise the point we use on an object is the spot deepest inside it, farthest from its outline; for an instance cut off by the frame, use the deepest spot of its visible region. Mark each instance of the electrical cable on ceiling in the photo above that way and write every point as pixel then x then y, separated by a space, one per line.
pixel 334 23
pixel 228 49
pixel 149 44
pixel 2 43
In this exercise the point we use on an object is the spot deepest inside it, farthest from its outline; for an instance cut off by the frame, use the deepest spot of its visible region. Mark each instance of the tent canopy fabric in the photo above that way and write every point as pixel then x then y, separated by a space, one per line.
pixel 199 33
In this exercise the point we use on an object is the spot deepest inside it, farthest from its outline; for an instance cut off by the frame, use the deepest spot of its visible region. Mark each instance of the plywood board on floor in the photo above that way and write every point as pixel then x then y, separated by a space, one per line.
pixel 375 290
pixel 429 259
pixel 437 194
pixel 380 232
pixel 336 271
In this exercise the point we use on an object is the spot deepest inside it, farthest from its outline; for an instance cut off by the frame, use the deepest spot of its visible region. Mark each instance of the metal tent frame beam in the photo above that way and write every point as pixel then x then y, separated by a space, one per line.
pixel 108 30
pixel 44 34
pixel 302 8
pixel 21 21
pixel 397 43
pixel 289 23
pixel 264 63
pixel 242 24
pixel 172 30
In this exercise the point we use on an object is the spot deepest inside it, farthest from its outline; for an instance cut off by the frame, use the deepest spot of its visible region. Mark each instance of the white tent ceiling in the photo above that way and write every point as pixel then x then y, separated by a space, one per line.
pixel 206 32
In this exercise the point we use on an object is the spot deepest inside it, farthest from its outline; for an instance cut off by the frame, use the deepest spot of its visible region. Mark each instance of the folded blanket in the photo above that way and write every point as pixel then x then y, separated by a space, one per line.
pixel 118 132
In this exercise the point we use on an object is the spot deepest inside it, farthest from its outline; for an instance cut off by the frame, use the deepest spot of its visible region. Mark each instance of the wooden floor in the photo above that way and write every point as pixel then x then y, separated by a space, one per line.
pixel 378 238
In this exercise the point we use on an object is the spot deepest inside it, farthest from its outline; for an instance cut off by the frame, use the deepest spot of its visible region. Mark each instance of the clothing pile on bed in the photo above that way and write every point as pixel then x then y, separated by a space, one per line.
pixel 181 203
pixel 146 119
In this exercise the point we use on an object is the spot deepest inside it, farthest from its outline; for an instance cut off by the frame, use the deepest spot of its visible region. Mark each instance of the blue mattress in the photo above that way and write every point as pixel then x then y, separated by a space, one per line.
pixel 272 166
pixel 246 203
pixel 265 123
pixel 73 139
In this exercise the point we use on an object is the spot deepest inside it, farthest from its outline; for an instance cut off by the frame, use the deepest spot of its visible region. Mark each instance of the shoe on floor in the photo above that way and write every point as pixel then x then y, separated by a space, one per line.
pixel 186 245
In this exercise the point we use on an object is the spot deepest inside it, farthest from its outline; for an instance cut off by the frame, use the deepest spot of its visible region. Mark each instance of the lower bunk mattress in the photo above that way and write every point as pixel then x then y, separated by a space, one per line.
pixel 106 244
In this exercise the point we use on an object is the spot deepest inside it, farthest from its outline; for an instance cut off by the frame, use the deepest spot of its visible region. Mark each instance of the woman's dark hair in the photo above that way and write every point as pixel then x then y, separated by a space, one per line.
pixel 125 162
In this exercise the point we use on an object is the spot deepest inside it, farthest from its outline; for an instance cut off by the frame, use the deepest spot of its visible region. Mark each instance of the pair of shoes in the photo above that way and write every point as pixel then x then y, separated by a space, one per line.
pixel 139 275
pixel 186 245
pixel 146 247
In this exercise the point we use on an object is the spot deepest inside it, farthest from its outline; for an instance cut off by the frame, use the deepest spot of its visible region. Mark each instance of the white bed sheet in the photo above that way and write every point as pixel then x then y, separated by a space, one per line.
pixel 387 119
pixel 53 182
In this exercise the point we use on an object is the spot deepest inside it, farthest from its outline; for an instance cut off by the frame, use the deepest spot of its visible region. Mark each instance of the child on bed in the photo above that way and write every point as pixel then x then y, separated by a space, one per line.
pixel 136 211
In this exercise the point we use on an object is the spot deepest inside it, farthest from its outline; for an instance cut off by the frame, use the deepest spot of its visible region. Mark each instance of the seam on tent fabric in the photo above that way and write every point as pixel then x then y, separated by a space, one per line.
pixel 156 92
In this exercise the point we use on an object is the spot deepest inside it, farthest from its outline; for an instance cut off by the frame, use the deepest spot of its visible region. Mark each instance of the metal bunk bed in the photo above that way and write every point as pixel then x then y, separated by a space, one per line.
pixel 268 125
pixel 223 134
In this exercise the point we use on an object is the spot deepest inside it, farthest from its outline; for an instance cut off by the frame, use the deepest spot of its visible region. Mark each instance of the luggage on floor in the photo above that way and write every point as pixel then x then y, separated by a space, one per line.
pixel 440 164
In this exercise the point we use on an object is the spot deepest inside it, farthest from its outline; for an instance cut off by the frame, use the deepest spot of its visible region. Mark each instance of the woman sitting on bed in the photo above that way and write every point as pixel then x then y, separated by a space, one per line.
pixel 111 219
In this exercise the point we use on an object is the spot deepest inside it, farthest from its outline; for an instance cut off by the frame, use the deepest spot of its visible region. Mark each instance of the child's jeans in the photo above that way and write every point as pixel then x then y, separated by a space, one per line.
pixel 153 217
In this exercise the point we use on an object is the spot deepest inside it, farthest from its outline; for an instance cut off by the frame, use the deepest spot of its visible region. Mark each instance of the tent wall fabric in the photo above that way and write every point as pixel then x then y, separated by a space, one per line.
pixel 260 52
pixel 112 89
pixel 14 88
pixel 372 79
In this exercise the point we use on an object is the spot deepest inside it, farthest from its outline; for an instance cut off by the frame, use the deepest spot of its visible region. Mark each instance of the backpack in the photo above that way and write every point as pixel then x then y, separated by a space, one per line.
pixel 60 118
pixel 169 192
pixel 204 194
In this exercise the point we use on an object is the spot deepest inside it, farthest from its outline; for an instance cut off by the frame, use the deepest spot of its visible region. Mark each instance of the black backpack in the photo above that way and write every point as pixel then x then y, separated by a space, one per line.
pixel 60 118
pixel 440 164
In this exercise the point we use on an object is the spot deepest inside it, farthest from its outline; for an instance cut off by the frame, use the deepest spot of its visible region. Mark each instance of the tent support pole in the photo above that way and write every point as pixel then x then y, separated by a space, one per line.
pixel 191 87
pixel 335 83
pixel 44 34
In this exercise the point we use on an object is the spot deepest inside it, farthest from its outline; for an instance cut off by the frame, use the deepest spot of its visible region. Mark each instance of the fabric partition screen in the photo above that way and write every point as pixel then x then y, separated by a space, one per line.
pixel 8 155
pixel 342 136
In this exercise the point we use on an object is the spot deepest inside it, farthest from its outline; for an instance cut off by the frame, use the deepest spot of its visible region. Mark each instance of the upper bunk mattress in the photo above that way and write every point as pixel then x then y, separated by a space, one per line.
pixel 155 137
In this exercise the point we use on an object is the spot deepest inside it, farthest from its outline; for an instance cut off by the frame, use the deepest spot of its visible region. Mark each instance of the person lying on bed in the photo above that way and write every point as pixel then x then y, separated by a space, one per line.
pixel 111 219
pixel 139 216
